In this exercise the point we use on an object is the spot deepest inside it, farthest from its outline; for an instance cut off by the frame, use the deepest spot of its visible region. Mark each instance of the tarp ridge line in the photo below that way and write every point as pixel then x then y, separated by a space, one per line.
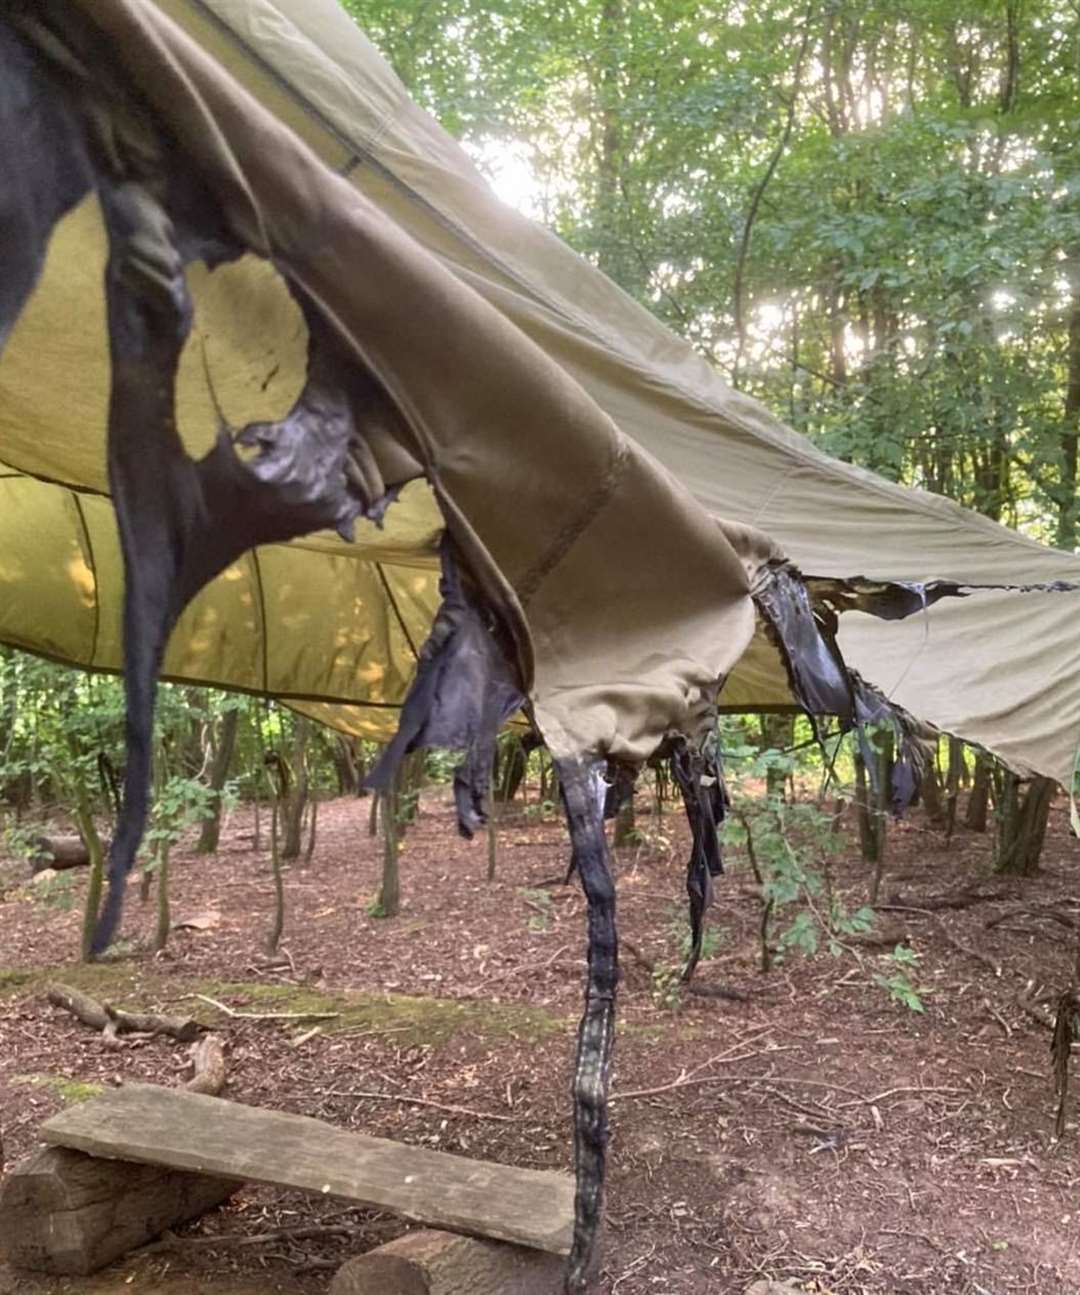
pixel 397 610
pixel 263 641
pixel 92 563
pixel 197 681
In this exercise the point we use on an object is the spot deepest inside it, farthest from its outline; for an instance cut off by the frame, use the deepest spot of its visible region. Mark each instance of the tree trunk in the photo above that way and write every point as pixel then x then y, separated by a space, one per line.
pixel 930 790
pixel 219 771
pixel 1021 822
pixel 873 803
pixel 509 770
pixel 387 902
pixel 292 807
pixel 1070 451
pixel 492 828
pixel 344 766
pixel 277 926
pixel 979 800
pixel 611 255
pixel 625 824
pixel 777 734
pixel 312 823
pixel 867 833
pixel 164 916
pixel 94 848
pixel 277 773
pixel 952 785
pixel 886 745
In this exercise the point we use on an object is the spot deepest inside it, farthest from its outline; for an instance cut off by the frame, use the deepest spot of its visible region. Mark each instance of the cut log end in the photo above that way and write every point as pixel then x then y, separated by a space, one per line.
pixel 65 1212
pixel 441 1263
pixel 59 853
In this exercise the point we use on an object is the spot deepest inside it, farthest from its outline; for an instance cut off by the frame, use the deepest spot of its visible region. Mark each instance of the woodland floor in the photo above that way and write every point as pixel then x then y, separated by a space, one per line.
pixel 823 1133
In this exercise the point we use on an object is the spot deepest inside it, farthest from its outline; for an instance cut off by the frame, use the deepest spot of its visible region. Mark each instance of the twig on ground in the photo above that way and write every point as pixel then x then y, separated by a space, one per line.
pixel 957 944
pixel 964 897
pixel 1029 1003
pixel 308 1232
pixel 113 1021
pixel 524 971
pixel 1036 911
pixel 362 1094
pixel 998 1017
pixel 693 1082
pixel 266 1016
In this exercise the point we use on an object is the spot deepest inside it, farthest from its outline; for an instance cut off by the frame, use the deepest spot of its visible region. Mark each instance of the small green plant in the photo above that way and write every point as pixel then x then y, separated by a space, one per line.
pixel 898 984
pixel 24 842
pixel 543 907
pixel 179 803
pixel 679 929
pixel 666 990
pixel 56 892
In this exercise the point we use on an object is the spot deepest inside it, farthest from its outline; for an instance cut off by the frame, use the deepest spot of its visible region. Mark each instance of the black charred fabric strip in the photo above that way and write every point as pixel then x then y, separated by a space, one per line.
pixel 911 755
pixel 806 642
pixel 181 522
pixel 44 168
pixel 465 689
pixel 621 780
pixel 584 812
pixel 700 780
pixel 893 600
pixel 805 635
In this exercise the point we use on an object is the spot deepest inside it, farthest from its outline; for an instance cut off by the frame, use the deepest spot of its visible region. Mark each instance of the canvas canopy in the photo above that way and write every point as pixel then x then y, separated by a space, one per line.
pixel 336 626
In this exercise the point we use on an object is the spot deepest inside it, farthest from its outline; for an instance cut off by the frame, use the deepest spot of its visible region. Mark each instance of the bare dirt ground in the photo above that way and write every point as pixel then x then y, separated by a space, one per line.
pixel 806 1128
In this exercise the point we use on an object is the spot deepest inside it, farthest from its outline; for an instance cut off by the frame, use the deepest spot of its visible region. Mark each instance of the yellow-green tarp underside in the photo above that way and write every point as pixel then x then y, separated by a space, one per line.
pixel 336 626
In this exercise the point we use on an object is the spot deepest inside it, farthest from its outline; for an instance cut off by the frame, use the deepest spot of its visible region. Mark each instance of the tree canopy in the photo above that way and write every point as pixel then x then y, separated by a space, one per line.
pixel 864 213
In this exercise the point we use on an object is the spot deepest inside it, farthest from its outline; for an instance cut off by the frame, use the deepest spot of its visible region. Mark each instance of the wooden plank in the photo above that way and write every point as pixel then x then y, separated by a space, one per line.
pixel 209 1135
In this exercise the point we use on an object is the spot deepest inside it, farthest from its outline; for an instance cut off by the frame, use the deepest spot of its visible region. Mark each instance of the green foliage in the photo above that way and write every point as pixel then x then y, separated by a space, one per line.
pixel 57 891
pixel 897 983
pixel 542 906
pixel 710 939
pixel 666 977
pixel 913 270
pixel 23 841
pixel 179 804
pixel 666 987
pixel 791 846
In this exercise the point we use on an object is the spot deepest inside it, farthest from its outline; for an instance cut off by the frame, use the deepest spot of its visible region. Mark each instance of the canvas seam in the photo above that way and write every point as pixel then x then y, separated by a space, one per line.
pixel 570 531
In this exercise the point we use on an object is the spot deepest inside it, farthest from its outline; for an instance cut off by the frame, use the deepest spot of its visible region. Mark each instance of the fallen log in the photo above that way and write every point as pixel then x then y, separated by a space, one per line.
pixel 441 1263
pixel 58 853
pixel 962 897
pixel 113 1021
pixel 1038 911
pixel 208 1059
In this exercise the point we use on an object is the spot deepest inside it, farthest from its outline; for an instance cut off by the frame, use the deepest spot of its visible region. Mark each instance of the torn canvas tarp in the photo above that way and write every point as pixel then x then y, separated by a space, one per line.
pixel 204 321
pixel 357 613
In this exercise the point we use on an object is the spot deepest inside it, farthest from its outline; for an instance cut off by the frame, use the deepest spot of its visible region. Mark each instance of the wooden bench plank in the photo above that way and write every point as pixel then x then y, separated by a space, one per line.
pixel 209 1135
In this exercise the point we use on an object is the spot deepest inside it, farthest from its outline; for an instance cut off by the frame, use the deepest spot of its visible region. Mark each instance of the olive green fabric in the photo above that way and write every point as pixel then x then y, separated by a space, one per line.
pixel 578 450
